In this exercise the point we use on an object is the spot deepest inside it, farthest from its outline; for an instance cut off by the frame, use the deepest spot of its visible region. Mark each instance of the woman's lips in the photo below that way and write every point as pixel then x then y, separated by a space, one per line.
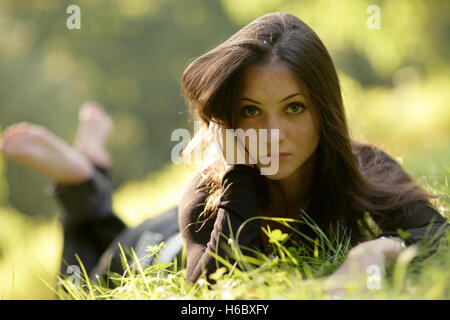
pixel 281 156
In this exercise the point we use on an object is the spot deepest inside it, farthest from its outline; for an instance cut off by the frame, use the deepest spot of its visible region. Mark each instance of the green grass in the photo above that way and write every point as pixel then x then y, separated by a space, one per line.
pixel 290 273
pixel 30 253
pixel 293 273
pixel 287 273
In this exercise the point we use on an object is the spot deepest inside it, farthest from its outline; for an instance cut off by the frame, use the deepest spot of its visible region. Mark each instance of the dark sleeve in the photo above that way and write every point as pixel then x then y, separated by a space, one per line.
pixel 421 221
pixel 238 202
pixel 417 218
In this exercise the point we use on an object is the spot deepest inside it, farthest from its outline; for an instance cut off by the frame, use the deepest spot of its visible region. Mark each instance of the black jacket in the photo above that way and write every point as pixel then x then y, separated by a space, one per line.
pixel 239 202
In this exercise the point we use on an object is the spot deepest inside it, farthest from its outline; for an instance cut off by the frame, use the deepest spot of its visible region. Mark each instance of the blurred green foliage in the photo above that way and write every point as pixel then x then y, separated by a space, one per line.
pixel 129 55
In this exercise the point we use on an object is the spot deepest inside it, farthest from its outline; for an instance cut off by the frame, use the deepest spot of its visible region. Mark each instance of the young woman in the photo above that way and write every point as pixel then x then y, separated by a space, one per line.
pixel 275 73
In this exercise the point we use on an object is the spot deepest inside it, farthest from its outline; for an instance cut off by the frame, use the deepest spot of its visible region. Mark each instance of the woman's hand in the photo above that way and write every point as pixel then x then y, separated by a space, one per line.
pixel 363 261
pixel 238 155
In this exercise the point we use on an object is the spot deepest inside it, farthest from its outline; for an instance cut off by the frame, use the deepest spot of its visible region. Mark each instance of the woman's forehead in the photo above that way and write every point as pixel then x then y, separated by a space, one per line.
pixel 270 82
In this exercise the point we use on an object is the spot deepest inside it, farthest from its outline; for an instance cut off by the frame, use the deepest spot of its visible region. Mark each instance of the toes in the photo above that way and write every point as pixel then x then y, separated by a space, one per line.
pixel 18 138
pixel 23 127
pixel 9 130
pixel 15 129
pixel 92 111
pixel 91 103
pixel 89 109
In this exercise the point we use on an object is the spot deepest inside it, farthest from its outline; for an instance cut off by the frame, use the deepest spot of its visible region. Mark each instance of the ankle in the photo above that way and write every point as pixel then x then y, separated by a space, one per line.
pixel 83 170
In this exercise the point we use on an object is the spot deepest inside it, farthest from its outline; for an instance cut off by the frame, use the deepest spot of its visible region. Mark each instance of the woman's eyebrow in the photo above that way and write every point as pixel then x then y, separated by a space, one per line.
pixel 288 97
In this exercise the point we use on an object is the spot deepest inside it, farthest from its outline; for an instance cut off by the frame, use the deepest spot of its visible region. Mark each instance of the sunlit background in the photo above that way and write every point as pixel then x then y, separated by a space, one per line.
pixel 129 55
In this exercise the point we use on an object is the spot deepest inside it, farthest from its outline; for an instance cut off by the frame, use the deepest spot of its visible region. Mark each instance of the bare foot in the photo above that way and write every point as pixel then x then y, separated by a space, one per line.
pixel 36 147
pixel 94 128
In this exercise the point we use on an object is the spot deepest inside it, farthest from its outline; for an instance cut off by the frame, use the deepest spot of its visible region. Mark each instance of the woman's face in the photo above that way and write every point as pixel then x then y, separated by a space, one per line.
pixel 273 98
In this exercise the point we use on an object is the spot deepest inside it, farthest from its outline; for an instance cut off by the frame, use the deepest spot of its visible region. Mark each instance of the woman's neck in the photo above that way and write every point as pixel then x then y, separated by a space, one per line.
pixel 296 187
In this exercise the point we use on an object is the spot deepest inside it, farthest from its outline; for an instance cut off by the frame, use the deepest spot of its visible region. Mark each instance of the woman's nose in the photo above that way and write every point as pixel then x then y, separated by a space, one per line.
pixel 274 130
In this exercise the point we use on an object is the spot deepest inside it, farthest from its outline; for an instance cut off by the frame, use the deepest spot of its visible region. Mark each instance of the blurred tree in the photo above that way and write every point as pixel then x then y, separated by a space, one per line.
pixel 129 55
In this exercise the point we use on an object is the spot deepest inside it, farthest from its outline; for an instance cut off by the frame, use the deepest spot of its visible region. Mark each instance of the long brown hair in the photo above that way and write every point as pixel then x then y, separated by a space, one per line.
pixel 352 178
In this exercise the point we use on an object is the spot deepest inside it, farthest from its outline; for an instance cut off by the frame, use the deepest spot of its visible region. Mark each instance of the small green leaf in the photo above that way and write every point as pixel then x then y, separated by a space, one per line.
pixel 218 274
pixel 403 234
pixel 316 248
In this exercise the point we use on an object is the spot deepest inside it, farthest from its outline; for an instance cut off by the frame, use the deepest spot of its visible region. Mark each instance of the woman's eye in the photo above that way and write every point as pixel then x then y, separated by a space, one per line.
pixel 250 111
pixel 296 107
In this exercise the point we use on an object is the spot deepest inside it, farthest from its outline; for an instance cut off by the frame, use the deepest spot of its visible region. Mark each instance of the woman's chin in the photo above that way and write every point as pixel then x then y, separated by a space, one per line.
pixel 279 174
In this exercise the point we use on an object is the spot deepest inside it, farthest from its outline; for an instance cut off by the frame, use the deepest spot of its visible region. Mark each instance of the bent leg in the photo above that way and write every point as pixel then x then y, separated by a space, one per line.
pixel 84 192
pixel 93 231
pixel 163 227
pixel 89 223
